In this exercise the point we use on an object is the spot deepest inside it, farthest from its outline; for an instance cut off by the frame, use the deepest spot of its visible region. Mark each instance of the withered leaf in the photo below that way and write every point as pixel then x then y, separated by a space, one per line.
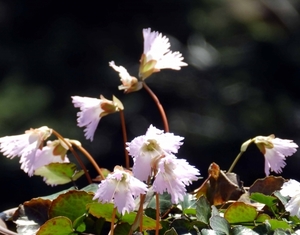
pixel 267 185
pixel 220 187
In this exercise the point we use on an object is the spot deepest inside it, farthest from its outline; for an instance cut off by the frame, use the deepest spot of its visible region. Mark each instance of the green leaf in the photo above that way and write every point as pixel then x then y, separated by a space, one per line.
pixel 262 218
pixel 203 210
pixel 241 230
pixel 219 224
pixel 284 200
pixel 239 212
pixel 171 231
pixel 59 226
pixel 102 210
pixel 122 229
pixel 183 225
pixel 165 203
pixel 188 202
pixel 79 224
pixel 71 204
pixel 59 173
pixel 270 201
pixel 294 219
pixel 276 224
pixel 189 211
pixel 148 223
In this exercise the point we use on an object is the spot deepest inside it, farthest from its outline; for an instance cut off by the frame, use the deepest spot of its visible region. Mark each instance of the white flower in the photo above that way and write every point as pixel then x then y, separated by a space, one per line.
pixel 292 189
pixel 129 83
pixel 172 176
pixel 275 151
pixel 25 146
pixel 54 151
pixel 147 149
pixel 92 110
pixel 157 54
pixel 121 188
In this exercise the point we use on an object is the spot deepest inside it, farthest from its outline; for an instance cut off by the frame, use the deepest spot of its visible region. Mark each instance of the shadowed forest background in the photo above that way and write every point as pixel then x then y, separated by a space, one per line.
pixel 242 79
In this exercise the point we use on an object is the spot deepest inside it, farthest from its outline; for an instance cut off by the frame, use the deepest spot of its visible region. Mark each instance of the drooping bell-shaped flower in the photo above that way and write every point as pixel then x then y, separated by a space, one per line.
pixel 157 54
pixel 91 111
pixel 146 149
pixel 120 187
pixel 54 151
pixel 25 146
pixel 129 83
pixel 275 151
pixel 173 175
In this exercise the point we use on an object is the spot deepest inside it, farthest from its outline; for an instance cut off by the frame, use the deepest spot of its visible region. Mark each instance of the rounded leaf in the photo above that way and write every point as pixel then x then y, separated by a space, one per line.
pixel 59 226
pixel 72 204
pixel 239 212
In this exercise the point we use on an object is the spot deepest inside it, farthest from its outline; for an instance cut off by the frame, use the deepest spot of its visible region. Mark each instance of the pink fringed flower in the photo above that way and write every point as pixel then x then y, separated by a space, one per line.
pixel 157 54
pixel 129 83
pixel 54 151
pixel 146 149
pixel 92 110
pixel 275 151
pixel 25 146
pixel 120 187
pixel 172 176
pixel 153 157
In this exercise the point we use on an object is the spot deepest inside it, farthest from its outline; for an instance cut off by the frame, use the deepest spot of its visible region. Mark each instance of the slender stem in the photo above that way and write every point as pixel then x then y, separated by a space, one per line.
pixel 124 138
pixel 91 159
pixel 157 214
pixel 160 107
pixel 112 224
pixel 235 161
pixel 75 155
pixel 139 218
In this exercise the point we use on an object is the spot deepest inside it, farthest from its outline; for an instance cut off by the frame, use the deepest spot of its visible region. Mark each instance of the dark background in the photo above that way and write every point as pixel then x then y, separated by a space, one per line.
pixel 242 79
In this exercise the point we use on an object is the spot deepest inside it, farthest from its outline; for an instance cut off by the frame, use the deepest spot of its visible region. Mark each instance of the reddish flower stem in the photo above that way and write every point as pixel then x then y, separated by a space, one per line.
pixel 160 107
pixel 91 159
pixel 139 216
pixel 124 138
pixel 75 155
pixel 234 162
pixel 112 224
pixel 157 214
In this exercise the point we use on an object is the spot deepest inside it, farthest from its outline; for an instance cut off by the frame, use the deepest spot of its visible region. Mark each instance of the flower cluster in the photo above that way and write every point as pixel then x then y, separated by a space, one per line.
pixel 153 157
pixel 29 147
pixel 156 170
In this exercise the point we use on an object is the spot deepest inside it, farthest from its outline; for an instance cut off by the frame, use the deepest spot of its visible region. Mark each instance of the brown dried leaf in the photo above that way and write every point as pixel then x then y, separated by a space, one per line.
pixel 267 185
pixel 220 187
